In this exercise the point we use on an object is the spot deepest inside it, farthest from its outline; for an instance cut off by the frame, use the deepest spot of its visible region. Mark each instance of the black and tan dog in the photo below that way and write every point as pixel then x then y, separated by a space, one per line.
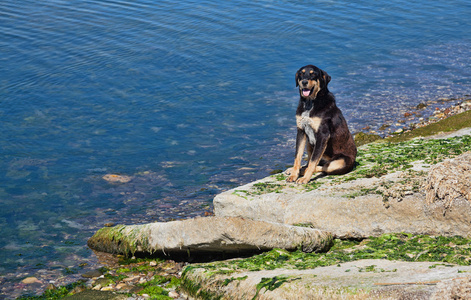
pixel 320 122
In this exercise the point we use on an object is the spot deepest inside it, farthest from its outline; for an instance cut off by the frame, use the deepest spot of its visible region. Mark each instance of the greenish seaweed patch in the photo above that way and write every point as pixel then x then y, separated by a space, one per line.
pixel 452 123
pixel 58 293
pixel 266 187
pixel 400 246
pixel 378 159
pixel 269 284
pixel 120 239
pixel 362 138
pixel 197 290
pixel 229 280
pixel 375 160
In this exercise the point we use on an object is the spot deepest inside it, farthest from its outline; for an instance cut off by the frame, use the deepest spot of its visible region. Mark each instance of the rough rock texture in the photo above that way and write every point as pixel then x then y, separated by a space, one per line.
pixel 212 234
pixel 450 180
pixel 457 288
pixel 362 279
pixel 333 209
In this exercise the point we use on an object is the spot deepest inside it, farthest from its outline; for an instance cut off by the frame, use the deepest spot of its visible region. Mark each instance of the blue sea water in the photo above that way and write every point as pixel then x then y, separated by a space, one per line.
pixel 190 99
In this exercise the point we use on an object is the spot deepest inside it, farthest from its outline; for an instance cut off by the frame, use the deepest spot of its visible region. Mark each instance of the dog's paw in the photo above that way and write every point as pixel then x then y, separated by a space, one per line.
pixel 289 171
pixel 303 180
pixel 292 178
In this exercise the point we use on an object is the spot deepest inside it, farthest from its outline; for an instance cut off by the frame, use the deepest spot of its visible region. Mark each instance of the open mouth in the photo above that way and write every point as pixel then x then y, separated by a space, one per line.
pixel 306 92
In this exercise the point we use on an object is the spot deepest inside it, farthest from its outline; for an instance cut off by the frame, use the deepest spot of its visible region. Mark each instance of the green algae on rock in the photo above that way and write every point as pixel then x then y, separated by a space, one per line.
pixel 362 138
pixel 373 160
pixel 121 239
pixel 394 246
pixel 453 123
pixel 206 279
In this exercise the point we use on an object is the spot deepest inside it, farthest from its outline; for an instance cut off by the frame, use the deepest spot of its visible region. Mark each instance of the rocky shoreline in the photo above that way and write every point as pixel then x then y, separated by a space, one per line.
pixel 154 277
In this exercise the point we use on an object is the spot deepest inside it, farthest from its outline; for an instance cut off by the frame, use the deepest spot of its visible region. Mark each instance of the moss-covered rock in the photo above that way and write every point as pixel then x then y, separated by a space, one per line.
pixel 362 138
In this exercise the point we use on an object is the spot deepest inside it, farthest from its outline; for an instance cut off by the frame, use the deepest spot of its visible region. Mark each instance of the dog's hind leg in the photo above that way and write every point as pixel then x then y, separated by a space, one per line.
pixel 336 167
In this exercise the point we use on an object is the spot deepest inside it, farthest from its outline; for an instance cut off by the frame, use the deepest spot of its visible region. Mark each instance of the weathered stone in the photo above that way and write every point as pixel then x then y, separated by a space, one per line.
pixel 450 180
pixel 457 288
pixel 361 279
pixel 211 234
pixel 332 209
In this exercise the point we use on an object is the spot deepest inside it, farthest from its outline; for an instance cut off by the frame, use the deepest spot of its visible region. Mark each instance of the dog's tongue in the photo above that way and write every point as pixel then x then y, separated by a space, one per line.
pixel 306 92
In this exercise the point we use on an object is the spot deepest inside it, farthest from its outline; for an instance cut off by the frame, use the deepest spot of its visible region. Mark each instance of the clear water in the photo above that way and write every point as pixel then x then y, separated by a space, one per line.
pixel 190 98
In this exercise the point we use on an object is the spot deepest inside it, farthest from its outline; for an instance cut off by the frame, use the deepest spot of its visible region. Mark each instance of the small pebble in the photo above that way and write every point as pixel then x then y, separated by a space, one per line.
pixel 92 274
pixel 173 294
pixel 107 288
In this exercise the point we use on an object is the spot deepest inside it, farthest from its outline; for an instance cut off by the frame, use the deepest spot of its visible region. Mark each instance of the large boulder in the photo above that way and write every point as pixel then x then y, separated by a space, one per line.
pixel 211 234
pixel 346 210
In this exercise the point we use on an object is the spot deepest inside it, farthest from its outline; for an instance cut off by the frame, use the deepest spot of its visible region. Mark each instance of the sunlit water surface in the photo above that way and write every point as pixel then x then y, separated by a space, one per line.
pixel 190 98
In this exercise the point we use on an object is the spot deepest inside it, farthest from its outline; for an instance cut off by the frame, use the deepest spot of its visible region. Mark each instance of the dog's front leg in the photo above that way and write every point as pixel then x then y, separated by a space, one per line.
pixel 319 149
pixel 300 145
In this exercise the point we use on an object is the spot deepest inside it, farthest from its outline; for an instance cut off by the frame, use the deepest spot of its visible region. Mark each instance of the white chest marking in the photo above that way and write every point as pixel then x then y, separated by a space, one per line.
pixel 308 125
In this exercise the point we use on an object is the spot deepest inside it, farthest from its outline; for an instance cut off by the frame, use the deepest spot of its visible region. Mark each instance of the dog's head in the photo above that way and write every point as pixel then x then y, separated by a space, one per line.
pixel 311 80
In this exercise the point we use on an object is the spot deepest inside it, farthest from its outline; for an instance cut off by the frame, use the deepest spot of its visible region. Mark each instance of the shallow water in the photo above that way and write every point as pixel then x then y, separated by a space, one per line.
pixel 190 99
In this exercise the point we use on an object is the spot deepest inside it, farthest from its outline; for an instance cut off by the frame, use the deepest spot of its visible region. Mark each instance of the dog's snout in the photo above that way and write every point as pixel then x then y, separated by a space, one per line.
pixel 304 82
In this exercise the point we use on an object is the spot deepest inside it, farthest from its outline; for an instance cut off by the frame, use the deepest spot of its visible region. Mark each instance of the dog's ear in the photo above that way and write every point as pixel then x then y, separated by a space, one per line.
pixel 297 77
pixel 326 77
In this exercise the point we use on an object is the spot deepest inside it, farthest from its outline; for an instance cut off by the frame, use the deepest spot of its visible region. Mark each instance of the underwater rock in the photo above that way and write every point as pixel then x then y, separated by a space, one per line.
pixel 117 178
pixel 31 280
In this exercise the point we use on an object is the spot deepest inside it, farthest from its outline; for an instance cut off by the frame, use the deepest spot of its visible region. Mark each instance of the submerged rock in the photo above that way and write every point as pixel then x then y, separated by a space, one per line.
pixel 31 280
pixel 113 178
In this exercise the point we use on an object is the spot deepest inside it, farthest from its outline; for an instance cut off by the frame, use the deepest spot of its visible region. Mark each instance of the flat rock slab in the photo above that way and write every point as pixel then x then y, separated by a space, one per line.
pixel 362 279
pixel 333 209
pixel 211 234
